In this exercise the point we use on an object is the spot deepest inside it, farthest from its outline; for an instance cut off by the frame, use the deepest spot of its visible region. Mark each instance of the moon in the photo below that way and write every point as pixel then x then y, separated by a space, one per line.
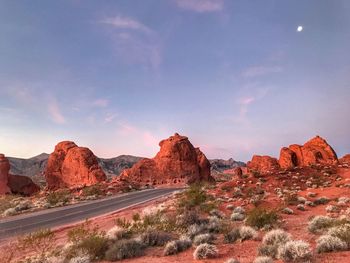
pixel 300 28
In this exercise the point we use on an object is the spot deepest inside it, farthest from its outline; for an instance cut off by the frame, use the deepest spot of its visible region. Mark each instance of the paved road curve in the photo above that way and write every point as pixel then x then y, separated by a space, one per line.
pixel 70 214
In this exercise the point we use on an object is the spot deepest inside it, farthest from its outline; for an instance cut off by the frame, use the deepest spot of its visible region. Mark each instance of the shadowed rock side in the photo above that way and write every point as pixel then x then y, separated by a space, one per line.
pixel 177 162
pixel 72 166
pixel 15 184
pixel 4 173
pixel 315 151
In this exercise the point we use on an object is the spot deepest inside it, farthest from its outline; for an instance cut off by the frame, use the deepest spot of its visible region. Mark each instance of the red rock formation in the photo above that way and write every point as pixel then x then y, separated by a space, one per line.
pixel 15 184
pixel 177 162
pixel 238 171
pixel 345 159
pixel 22 185
pixel 4 174
pixel 72 166
pixel 317 150
pixel 262 164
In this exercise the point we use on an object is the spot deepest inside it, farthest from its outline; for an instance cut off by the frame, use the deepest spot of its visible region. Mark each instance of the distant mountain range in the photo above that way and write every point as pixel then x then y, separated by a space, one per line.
pixel 35 166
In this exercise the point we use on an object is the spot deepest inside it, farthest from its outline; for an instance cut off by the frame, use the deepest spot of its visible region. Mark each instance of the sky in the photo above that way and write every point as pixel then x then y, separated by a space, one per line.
pixel 118 76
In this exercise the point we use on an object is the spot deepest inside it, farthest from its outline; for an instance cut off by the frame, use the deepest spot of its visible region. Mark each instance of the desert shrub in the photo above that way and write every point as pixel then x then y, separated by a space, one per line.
pixel 287 211
pixel 117 232
pixel 295 251
pixel 203 238
pixel 155 238
pixel 263 259
pixel 232 236
pixel 272 241
pixel 237 216
pixel 320 223
pixel 239 210
pixel 217 213
pixel 259 217
pixel 177 246
pixel 60 196
pixel 87 239
pixel 136 217
pixel 193 197
pixel 341 231
pixel 195 229
pixel 230 207
pixel 328 243
pixel 80 259
pixel 215 225
pixel 9 251
pixel 204 251
pixel 232 260
pixel 321 200
pixel 331 208
pixel 124 249
pixel 92 190
pixel 247 232
pixel 188 217
pixel 41 242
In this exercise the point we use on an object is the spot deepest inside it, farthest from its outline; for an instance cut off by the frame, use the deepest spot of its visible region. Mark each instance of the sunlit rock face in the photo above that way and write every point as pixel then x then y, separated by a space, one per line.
pixel 72 166
pixel 262 164
pixel 177 162
pixel 315 151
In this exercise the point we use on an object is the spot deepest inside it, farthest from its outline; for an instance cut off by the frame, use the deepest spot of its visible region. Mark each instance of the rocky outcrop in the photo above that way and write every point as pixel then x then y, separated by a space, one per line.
pixel 177 162
pixel 219 165
pixel 4 174
pixel 345 159
pixel 15 184
pixel 22 185
pixel 315 151
pixel 262 164
pixel 72 166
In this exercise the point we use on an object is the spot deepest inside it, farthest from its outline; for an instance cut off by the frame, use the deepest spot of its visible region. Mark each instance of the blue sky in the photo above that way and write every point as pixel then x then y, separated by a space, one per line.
pixel 235 76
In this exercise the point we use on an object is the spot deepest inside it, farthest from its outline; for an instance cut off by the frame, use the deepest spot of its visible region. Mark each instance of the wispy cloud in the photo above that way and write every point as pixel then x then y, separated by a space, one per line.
pixel 100 103
pixel 110 117
pixel 257 71
pixel 55 112
pixel 135 42
pixel 123 22
pixel 201 6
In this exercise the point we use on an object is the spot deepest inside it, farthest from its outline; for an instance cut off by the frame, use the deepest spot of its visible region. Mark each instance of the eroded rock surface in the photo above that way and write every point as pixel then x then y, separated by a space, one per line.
pixel 72 166
pixel 177 162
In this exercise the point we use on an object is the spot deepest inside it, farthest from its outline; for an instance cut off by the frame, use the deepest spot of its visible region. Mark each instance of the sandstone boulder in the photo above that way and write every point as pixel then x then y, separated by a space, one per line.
pixel 72 166
pixel 315 151
pixel 262 164
pixel 177 162
pixel 4 174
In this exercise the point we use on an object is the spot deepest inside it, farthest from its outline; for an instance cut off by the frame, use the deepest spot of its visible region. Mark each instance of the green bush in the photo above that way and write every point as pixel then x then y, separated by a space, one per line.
pixel 193 197
pixel 60 196
pixel 259 217
pixel 92 190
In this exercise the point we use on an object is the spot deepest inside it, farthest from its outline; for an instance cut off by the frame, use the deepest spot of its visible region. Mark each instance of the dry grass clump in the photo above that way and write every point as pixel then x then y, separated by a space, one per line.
pixel 232 236
pixel 342 232
pixel 232 260
pixel 247 232
pixel 117 233
pixel 295 251
pixel 177 246
pixel 328 243
pixel 272 241
pixel 204 251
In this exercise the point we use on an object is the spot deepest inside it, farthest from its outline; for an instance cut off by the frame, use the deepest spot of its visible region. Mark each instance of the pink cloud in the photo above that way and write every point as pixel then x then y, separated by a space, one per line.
pixel 201 6
pixel 123 22
pixel 101 103
pixel 55 112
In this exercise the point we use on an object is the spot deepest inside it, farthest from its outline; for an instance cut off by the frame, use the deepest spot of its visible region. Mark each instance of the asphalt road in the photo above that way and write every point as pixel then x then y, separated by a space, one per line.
pixel 55 217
